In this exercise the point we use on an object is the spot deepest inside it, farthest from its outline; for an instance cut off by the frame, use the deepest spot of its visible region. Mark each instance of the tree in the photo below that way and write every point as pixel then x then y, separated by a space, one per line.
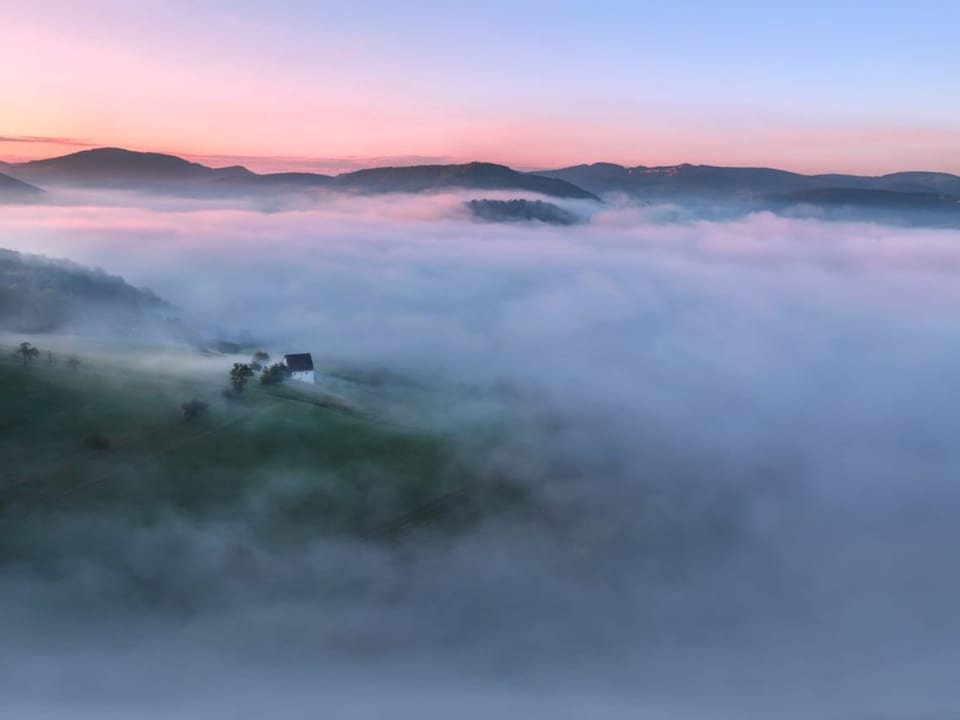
pixel 194 409
pixel 73 361
pixel 239 375
pixel 260 359
pixel 275 374
pixel 27 351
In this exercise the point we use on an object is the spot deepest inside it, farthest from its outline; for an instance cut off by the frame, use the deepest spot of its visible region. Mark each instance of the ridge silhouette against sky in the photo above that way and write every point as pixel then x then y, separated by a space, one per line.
pixel 336 85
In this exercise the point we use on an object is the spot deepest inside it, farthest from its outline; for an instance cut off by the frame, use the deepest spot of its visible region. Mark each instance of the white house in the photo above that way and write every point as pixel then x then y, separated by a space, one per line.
pixel 300 367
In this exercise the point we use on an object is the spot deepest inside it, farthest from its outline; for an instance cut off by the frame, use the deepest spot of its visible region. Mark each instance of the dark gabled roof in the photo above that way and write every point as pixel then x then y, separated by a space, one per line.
pixel 301 362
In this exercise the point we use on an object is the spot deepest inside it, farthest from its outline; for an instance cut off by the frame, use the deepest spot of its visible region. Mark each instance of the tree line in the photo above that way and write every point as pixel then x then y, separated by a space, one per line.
pixel 241 373
pixel 29 353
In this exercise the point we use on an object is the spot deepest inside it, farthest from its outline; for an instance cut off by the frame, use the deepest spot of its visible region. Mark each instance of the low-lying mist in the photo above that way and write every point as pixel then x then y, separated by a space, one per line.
pixel 741 437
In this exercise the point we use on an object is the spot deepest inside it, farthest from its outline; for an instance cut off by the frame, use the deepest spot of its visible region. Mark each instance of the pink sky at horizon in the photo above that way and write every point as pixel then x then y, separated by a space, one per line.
pixel 327 88
pixel 816 159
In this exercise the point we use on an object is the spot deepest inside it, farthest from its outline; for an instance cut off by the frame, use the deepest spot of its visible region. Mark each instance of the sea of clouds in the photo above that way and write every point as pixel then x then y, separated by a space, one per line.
pixel 752 461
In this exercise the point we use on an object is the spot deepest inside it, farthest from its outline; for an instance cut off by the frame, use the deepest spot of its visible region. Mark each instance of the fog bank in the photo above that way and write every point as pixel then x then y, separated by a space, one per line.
pixel 741 438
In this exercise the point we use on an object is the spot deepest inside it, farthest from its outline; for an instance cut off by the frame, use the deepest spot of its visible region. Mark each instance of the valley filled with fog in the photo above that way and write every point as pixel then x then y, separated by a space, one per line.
pixel 739 440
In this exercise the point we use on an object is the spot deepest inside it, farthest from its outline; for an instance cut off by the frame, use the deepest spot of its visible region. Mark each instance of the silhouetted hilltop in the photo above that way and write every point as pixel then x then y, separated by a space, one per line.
pixel 111 164
pixel 475 175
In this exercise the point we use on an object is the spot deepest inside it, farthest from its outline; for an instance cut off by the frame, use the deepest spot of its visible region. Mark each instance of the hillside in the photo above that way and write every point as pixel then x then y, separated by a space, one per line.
pixel 41 294
pixel 16 191
pixel 905 198
pixel 888 206
pixel 892 199
pixel 281 461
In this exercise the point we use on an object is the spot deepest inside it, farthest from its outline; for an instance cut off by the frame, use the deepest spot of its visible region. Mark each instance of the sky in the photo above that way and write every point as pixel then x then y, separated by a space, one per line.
pixel 334 85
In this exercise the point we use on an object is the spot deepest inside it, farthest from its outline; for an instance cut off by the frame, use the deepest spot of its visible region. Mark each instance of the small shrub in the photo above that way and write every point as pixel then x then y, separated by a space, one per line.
pixel 194 409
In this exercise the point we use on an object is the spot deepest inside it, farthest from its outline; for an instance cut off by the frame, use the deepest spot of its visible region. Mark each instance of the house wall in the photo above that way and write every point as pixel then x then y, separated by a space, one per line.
pixel 307 377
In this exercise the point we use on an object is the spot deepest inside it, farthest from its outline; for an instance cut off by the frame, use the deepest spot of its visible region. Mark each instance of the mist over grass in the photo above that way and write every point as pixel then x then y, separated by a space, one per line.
pixel 739 438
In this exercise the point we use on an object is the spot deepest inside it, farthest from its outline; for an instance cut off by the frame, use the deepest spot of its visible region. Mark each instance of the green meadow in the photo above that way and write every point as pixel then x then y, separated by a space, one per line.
pixel 109 436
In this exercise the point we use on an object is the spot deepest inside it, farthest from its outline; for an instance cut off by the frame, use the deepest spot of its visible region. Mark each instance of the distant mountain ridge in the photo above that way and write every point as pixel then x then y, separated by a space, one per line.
pixel 930 199
pixel 705 188
pixel 739 182
pixel 125 169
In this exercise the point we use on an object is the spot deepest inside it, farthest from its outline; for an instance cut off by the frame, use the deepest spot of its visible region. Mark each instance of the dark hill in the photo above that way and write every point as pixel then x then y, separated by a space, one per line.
pixel 679 180
pixel 522 211
pixel 475 175
pixel 111 166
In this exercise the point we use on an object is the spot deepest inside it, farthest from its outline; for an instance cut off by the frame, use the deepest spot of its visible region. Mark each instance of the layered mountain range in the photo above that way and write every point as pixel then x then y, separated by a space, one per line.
pixel 114 168
pixel 934 196
pixel 740 182
pixel 926 198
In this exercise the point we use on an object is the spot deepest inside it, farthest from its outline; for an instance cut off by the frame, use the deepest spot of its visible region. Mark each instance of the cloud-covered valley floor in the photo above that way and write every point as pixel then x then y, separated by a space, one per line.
pixel 744 433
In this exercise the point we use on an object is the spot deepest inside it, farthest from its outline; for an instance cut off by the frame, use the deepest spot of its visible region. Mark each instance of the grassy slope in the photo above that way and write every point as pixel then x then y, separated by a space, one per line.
pixel 277 457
